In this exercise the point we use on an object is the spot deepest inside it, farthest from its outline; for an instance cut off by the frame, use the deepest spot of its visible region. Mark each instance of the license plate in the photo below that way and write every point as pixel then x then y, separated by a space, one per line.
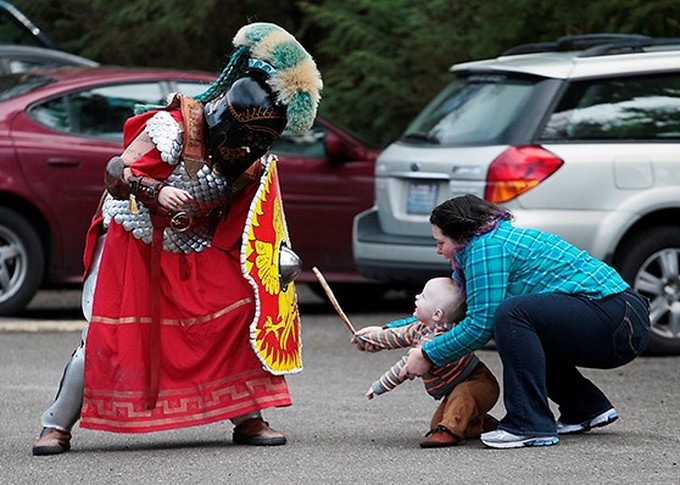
pixel 421 198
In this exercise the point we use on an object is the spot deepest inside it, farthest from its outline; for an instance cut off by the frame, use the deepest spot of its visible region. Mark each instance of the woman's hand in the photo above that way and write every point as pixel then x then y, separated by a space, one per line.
pixel 172 198
pixel 416 364
pixel 361 344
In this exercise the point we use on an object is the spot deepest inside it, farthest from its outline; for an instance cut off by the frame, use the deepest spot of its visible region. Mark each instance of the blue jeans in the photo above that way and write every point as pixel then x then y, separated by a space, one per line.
pixel 543 338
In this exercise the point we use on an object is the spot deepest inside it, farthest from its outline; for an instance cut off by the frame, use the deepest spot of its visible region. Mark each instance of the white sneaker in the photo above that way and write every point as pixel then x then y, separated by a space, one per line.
pixel 607 417
pixel 503 439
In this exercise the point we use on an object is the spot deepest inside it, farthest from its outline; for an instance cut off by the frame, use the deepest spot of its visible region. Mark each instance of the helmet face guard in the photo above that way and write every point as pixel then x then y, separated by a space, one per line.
pixel 243 124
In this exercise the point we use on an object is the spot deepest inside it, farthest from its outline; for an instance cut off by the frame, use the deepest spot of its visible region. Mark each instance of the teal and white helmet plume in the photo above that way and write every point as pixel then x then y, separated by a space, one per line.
pixel 292 73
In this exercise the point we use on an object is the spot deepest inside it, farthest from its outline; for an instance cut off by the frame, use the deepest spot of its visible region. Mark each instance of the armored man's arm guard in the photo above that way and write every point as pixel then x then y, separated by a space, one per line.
pixel 144 189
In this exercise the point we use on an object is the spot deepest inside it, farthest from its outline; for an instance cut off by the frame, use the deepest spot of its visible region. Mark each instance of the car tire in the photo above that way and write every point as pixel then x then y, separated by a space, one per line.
pixel 650 262
pixel 22 262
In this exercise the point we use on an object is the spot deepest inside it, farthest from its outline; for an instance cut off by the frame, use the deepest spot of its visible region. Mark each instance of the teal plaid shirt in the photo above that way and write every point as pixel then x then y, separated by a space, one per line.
pixel 509 261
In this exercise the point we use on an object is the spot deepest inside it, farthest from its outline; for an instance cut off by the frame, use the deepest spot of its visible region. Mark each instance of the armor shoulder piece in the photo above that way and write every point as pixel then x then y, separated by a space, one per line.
pixel 166 134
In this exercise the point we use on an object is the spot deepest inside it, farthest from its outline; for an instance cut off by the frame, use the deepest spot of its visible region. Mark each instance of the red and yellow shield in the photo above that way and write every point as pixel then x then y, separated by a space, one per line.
pixel 275 331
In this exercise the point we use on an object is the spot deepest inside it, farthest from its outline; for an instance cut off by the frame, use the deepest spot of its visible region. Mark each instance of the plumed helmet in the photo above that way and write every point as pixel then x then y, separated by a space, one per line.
pixel 295 79
pixel 270 84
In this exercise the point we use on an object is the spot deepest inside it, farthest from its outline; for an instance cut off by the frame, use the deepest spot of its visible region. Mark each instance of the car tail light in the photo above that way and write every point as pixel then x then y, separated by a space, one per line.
pixel 517 170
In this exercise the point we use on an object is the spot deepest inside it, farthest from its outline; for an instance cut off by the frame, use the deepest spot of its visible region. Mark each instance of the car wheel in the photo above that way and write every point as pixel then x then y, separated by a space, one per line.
pixel 22 262
pixel 650 262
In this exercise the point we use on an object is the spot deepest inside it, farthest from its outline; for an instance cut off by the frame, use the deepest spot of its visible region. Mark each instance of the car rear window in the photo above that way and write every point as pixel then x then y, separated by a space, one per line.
pixel 624 108
pixel 13 85
pixel 471 110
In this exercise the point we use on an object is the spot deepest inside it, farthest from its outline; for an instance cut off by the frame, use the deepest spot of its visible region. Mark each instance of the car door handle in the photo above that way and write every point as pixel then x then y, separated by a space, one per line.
pixel 62 162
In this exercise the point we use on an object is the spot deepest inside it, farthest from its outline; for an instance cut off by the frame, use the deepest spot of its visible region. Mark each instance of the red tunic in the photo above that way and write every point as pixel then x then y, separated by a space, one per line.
pixel 208 370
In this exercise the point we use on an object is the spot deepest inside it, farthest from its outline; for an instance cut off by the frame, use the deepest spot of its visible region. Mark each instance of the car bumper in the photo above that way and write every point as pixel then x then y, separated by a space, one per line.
pixel 394 258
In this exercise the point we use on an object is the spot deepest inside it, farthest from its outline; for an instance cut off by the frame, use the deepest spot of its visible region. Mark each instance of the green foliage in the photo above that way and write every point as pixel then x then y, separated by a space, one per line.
pixel 381 60
pixel 194 34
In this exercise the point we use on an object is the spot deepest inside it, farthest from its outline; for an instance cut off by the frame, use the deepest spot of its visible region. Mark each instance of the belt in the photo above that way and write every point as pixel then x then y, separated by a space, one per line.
pixel 181 221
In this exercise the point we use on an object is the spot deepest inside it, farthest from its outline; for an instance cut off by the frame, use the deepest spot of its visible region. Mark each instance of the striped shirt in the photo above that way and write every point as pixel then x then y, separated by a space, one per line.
pixel 409 332
pixel 509 261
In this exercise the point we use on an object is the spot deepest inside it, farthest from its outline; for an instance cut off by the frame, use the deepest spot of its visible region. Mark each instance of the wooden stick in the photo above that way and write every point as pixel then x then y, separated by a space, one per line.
pixel 333 300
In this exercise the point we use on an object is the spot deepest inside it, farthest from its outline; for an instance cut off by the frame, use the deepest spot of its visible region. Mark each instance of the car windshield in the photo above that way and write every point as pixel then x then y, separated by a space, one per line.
pixel 13 85
pixel 471 110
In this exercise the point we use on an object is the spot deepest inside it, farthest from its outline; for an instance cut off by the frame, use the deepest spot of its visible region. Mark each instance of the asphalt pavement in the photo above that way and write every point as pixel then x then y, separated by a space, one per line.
pixel 335 435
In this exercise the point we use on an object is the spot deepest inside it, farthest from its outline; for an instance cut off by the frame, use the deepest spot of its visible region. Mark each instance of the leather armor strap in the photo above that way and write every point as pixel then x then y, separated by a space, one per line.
pixel 154 369
pixel 160 222
pixel 142 188
pixel 194 153
pixel 145 189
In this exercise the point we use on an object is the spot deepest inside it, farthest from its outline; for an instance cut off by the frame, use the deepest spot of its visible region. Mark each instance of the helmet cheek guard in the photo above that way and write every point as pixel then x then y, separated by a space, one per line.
pixel 243 124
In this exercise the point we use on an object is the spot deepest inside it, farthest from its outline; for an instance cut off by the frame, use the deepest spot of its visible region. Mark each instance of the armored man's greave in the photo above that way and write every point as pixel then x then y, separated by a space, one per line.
pixel 65 411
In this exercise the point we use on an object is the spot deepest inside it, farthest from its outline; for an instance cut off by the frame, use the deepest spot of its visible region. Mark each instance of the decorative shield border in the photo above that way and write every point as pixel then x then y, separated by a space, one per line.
pixel 275 331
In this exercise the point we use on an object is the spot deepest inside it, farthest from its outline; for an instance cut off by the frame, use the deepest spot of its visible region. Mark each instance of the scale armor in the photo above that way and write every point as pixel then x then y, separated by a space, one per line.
pixel 166 134
pixel 208 189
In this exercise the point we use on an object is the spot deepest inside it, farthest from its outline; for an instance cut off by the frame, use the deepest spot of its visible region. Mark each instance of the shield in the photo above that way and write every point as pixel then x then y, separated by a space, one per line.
pixel 275 330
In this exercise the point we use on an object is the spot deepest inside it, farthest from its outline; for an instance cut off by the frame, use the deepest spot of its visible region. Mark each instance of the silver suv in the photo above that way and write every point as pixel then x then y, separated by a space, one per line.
pixel 579 137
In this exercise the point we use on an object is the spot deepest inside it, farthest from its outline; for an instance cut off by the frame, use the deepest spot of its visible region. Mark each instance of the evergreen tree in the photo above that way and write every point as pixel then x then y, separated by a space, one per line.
pixel 192 34
pixel 382 60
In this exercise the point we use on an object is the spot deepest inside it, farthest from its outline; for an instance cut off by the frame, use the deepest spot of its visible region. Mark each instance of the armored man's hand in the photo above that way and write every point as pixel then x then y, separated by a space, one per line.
pixel 172 198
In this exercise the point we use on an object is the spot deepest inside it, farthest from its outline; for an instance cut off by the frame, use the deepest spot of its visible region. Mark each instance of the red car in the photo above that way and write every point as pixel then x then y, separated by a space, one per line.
pixel 58 128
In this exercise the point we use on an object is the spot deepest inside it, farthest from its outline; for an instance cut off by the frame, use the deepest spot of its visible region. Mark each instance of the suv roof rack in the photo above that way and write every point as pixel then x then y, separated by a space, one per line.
pixel 627 46
pixel 593 44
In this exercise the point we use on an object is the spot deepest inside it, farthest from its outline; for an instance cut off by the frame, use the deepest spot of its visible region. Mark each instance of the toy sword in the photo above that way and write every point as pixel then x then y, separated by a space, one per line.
pixel 333 300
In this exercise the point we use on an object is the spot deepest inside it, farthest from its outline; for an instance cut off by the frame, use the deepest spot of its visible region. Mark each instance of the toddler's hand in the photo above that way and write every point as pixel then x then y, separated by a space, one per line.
pixel 362 344
pixel 370 395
